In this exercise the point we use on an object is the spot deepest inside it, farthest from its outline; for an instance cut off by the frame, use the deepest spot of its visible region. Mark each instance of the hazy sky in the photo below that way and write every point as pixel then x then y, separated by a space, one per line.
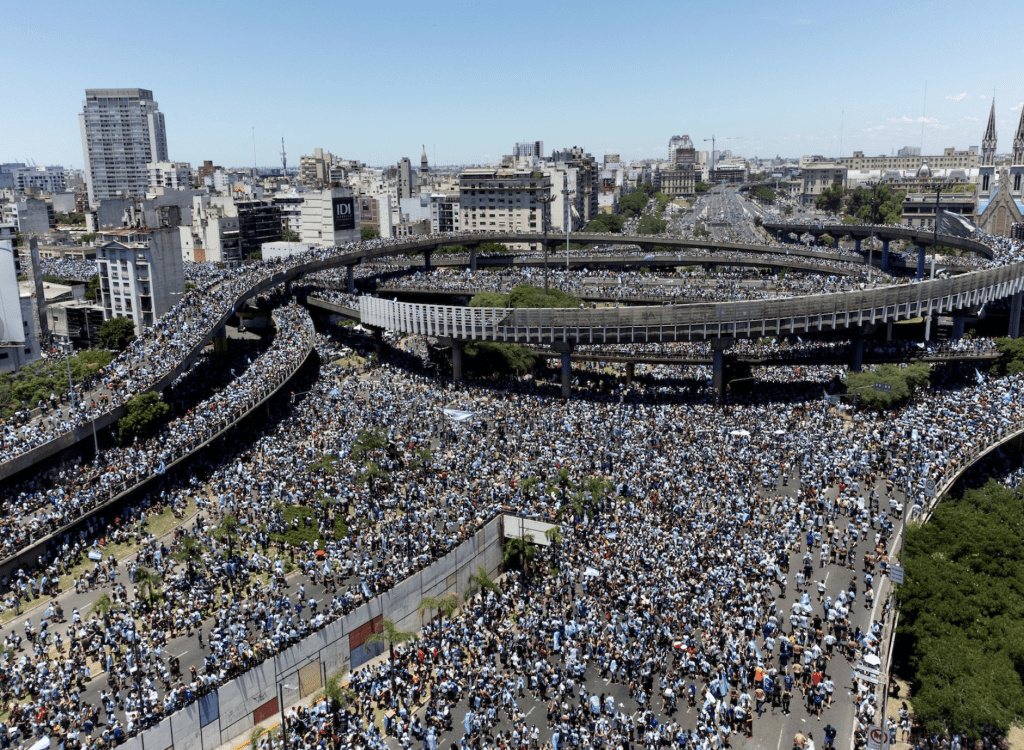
pixel 373 81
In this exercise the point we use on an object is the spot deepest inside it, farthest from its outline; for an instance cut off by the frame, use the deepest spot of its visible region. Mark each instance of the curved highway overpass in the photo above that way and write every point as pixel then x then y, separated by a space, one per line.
pixel 922 238
pixel 671 323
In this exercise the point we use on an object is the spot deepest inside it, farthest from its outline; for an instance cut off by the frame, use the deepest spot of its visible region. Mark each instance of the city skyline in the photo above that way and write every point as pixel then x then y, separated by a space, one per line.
pixel 756 80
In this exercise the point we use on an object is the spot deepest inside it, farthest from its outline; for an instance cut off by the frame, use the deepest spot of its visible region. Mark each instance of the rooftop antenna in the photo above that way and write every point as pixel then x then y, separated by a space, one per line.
pixel 254 150
pixel 842 121
pixel 924 109
pixel 284 159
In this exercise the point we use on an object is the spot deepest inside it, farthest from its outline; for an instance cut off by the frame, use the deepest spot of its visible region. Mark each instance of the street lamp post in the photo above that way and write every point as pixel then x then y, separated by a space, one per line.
pixel 935 251
pixel 566 192
pixel 545 219
pixel 280 704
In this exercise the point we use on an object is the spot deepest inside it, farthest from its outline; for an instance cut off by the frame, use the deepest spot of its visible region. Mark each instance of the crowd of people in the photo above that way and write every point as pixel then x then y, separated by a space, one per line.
pixel 705 529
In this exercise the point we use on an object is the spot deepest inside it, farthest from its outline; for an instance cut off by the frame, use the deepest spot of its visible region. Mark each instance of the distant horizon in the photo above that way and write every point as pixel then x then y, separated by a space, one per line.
pixel 790 79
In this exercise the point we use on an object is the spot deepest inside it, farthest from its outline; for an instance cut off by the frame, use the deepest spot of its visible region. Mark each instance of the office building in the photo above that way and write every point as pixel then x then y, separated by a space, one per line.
pixel 528 149
pixel 122 132
pixel 328 218
pixel 587 180
pixel 315 170
pixel 502 199
pixel 142 274
pixel 258 222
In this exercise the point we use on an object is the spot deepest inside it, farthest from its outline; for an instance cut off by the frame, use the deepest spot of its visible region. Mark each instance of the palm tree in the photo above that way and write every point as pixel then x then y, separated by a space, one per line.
pixel 228 529
pixel 339 695
pixel 390 635
pixel 190 552
pixel 103 605
pixel 479 581
pixel 518 552
pixel 554 535
pixel 446 605
pixel 145 579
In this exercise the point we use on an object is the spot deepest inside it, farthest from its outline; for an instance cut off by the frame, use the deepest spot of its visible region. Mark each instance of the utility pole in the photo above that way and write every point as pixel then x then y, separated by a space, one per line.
pixel 935 251
pixel 545 218
pixel 566 192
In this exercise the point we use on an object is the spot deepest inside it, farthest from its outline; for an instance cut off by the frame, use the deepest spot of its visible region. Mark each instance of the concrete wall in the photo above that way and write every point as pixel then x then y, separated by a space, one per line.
pixel 231 711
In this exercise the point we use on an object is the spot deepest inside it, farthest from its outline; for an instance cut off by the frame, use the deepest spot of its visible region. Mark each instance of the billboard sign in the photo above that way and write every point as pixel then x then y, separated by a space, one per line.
pixel 344 213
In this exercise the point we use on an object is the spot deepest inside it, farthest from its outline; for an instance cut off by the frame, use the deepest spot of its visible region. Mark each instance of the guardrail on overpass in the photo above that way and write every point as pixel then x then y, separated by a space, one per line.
pixel 918 237
pixel 697 321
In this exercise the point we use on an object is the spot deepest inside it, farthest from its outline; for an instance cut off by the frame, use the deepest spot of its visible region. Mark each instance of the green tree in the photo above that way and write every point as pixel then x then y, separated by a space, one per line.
pixel 960 639
pixel 663 200
pixel 606 223
pixel 368 232
pixel 901 382
pixel 489 299
pixel 85 239
pixel 190 552
pixel 631 205
pixel 827 239
pixel 530 296
pixel 92 287
pixel 117 333
pixel 288 235
pixel 493 248
pixel 701 187
pixel 145 413
pixel 480 582
pixel 390 635
pixel 367 442
pixel 228 531
pixel 148 583
pixel 489 358
pixel 1011 356
pixel 831 199
pixel 764 193
pixel 517 553
pixel 446 605
pixel 650 224
pixel 103 605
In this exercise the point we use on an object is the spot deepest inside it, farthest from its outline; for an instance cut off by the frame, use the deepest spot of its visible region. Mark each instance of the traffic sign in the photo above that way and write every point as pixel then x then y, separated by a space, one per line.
pixel 866 673
pixel 880 386
pixel 896 574
pixel 929 487
pixel 878 739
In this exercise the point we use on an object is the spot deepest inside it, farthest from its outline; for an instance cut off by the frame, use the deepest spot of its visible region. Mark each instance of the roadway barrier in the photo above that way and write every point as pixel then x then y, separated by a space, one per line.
pixel 236 706
pixel 105 495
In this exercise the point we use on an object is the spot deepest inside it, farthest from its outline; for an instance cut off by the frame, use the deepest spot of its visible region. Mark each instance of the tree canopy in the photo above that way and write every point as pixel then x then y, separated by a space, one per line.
pixel 881 202
pixel 901 382
pixel 606 223
pixel 526 295
pixel 145 413
pixel 493 248
pixel 961 631
pixel 632 204
pixel 368 232
pixel 831 199
pixel 117 333
pixel 1011 356
pixel 650 224
pixel 701 187
pixel 764 193
pixel 489 299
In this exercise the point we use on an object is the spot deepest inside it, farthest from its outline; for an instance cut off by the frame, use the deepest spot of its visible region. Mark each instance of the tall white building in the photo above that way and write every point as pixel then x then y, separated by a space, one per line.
pixel 140 279
pixel 122 133
pixel 19 335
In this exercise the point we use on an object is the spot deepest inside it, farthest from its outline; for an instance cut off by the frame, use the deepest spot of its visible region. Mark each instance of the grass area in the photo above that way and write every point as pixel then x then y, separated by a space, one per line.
pixel 305 533
pixel 352 360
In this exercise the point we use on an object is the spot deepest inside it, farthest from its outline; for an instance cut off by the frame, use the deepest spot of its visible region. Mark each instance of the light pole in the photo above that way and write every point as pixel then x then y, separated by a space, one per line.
pixel 566 192
pixel 280 704
pixel 545 214
pixel 935 251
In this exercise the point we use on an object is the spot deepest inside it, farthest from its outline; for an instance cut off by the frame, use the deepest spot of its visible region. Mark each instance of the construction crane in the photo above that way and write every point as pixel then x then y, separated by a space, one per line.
pixel 712 139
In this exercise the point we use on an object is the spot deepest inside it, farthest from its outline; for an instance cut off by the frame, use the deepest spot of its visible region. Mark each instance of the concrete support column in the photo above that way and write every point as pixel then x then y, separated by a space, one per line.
pixel 718 348
pixel 857 353
pixel 426 259
pixel 220 341
pixel 856 242
pixel 630 372
pixel 378 341
pixel 835 243
pixel 472 260
pixel 456 360
pixel 959 319
pixel 775 270
pixel 350 279
pixel 920 262
pixel 565 349
pixel 885 256
pixel 1014 328
pixel 888 331
pixel 288 288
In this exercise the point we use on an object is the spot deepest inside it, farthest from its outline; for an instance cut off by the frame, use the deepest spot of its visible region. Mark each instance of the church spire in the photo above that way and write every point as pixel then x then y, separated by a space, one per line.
pixel 1018 142
pixel 988 143
pixel 424 167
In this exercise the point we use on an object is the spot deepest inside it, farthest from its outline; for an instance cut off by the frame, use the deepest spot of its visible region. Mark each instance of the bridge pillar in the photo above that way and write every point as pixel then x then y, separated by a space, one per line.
pixel 856 243
pixel 426 259
pixel 835 243
pixel 350 279
pixel 959 319
pixel 630 372
pixel 885 256
pixel 775 270
pixel 378 341
pixel 920 262
pixel 566 374
pixel 718 348
pixel 220 341
pixel 857 353
pixel 288 287
pixel 1015 304
pixel 472 260
pixel 456 360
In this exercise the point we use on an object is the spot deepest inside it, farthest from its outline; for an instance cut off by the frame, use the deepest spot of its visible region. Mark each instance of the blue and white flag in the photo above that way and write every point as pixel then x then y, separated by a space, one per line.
pixel 468 722
pixel 977 375
pixel 161 469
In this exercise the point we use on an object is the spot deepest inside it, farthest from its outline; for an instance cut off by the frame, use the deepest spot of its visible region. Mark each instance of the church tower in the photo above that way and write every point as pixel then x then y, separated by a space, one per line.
pixel 987 162
pixel 424 167
pixel 1017 163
